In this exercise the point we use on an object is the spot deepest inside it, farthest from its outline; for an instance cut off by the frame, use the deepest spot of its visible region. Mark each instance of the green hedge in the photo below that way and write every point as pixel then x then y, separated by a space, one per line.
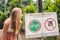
pixel 3 16
pixel 51 38
pixel 59 20
pixel 31 9
pixel 59 26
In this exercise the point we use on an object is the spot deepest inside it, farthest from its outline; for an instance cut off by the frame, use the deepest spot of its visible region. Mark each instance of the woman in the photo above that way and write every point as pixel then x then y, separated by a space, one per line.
pixel 12 25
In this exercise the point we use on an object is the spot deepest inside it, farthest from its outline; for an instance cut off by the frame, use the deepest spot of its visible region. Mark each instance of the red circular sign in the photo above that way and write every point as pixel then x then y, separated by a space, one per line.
pixel 50 24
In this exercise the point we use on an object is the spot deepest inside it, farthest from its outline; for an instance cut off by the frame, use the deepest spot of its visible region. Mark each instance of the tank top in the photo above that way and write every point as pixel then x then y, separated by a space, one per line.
pixel 10 29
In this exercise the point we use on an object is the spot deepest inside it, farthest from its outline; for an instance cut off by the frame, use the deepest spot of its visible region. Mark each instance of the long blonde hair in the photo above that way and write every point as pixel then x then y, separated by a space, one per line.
pixel 15 24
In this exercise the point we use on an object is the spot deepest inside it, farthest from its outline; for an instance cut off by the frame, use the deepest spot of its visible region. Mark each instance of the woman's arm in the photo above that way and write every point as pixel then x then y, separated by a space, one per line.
pixel 5 27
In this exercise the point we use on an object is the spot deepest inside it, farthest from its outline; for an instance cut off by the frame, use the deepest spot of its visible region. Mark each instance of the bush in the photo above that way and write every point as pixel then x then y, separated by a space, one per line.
pixel 51 38
pixel 3 16
pixel 59 26
pixel 30 9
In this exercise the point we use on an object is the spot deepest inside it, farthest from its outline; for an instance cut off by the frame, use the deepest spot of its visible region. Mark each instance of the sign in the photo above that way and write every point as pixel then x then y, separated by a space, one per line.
pixel 34 25
pixel 41 25
pixel 50 24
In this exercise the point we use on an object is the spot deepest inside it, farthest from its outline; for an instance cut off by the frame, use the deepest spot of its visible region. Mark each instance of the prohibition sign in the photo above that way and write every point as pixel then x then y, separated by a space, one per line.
pixel 50 24
pixel 34 26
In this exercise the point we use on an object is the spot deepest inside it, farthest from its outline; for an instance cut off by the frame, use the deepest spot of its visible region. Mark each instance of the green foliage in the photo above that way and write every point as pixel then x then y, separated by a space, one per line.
pixel 3 16
pixel 45 5
pixel 30 9
pixel 59 26
pixel 57 3
pixel 59 20
pixel 2 5
pixel 51 6
pixel 26 2
pixel 14 3
pixel 51 38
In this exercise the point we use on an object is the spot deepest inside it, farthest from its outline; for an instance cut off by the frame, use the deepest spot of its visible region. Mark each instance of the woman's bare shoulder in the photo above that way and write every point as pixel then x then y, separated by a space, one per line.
pixel 7 21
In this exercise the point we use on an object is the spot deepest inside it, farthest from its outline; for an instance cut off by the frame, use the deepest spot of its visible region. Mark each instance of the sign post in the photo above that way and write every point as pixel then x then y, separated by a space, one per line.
pixel 40 10
pixel 39 5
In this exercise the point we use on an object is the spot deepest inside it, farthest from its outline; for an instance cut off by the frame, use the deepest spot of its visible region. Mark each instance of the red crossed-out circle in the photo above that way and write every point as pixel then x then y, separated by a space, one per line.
pixel 50 24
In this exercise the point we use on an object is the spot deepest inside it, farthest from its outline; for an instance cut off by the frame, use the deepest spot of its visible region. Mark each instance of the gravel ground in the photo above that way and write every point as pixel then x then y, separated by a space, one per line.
pixel 22 37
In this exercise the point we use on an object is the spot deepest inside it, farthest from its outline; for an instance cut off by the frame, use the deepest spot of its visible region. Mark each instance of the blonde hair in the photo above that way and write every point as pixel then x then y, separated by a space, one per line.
pixel 15 24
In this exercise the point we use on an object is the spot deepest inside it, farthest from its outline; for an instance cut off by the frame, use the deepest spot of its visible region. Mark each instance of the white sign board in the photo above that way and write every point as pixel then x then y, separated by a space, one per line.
pixel 41 25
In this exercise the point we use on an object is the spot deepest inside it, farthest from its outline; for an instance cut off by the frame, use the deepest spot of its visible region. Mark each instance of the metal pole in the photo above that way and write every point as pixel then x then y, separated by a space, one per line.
pixel 39 6
pixel 40 10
